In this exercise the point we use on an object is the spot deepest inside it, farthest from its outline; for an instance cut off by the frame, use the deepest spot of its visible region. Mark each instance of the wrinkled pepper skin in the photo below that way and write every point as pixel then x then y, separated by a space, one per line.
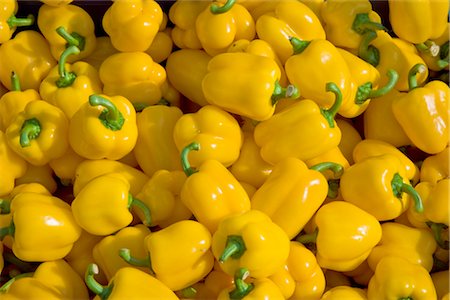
pixel 9 22
pixel 14 166
pixel 397 278
pixel 132 25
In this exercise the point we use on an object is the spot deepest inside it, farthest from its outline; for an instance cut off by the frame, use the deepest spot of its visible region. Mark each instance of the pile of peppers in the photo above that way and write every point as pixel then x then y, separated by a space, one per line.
pixel 229 149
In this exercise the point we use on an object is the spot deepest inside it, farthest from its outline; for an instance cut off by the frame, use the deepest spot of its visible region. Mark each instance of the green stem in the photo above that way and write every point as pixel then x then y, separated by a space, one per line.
pixel 22 266
pixel 66 79
pixel 412 75
pixel 13 21
pixel 188 170
pixel 333 188
pixel 428 47
pixel 5 207
pixel 298 45
pixel 330 113
pixel 443 52
pixel 73 39
pixel 336 168
pixel 31 129
pixel 5 287
pixel 98 289
pixel 9 230
pixel 234 248
pixel 138 107
pixel 362 24
pixel 188 293
pixel 280 92
pixel 418 205
pixel 110 117
pixel 406 298
pixel 141 205
pixel 125 253
pixel 241 288
pixel 437 229
pixel 308 238
pixel 220 9
pixel 392 81
pixel 15 82
pixel 368 52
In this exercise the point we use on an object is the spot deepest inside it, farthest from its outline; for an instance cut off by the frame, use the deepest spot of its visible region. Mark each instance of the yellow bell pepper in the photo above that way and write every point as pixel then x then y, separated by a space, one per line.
pixel 334 155
pixel 107 200
pixel 9 21
pixel 103 49
pixel 31 64
pixel 261 288
pixel 250 240
pixel 287 19
pixel 295 193
pixel 435 167
pixel 437 60
pixel 156 149
pixel 428 105
pixel 133 75
pixel 405 17
pixel 361 274
pixel 67 25
pixel 284 280
pixel 132 25
pixel 417 245
pixel 217 132
pixel 68 86
pixel 170 94
pixel 103 127
pixel 105 253
pixel 34 187
pixel 360 233
pixel 179 255
pixel 211 191
pixel 414 218
pixel 43 227
pixel 161 46
pixel 217 31
pixel 397 278
pixel 14 101
pixel 302 130
pixel 350 137
pixel 129 283
pixel 379 185
pixel 14 166
pixel 441 283
pixel 186 69
pixel 39 133
pixel 39 174
pixel 345 292
pixel 65 166
pixel 252 94
pixel 56 2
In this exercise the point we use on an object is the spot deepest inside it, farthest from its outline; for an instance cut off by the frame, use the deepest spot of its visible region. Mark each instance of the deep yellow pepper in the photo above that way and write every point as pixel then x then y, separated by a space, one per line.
pixel 440 60
pixel 31 64
pixel 39 133
pixel 441 283
pixel 350 137
pixel 397 278
pixel 417 245
pixel 429 106
pixel 287 19
pixel 359 234
pixel 217 131
pixel 39 174
pixel 103 49
pixel 132 25
pixel 284 280
pixel 129 283
pixel 250 240
pixel 302 130
pixel 68 86
pixel 107 200
pixel 345 292
pixel 14 166
pixel 9 22
pixel 179 255
pixel 156 149
pixel 43 227
pixel 211 191
pixel 65 166
pixel 295 193
pixel 435 167
pixel 103 127
pixel 67 25
pixel 161 46
pixel 133 75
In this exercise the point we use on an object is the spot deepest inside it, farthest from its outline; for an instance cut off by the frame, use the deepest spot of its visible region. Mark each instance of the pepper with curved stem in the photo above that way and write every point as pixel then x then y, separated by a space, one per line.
pixel 30 130
pixel 4 288
pixel 298 45
pixel 330 113
pixel 241 288
pixel 188 170
pixel 73 39
pixel 66 79
pixel 110 117
pixel 15 82
pixel 14 21
pixel 98 289
pixel 437 229
pixel 365 91
pixel 369 52
pixel 141 205
pixel 8 230
pixel 125 254
pixel 363 24
pixel 412 75
pixel 4 207
pixel 234 248
pixel 428 47
pixel 280 92
pixel 337 169
pixel 399 187
pixel 220 9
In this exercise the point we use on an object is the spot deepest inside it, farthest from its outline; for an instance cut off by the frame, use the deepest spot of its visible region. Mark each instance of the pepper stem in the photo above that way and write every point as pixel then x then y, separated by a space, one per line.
pixel 13 21
pixel 330 113
pixel 280 92
pixel 241 288
pixel 220 9
pixel 144 208
pixel 30 130
pixel 308 238
pixel 15 82
pixel 298 45
pixel 368 52
pixel 125 253
pixel 66 79
pixel 333 188
pixel 98 289
pixel 362 24
pixel 418 205
pixel 428 47
pixel 412 75
pixel 393 78
pixel 336 168
pixel 9 230
pixel 5 207
pixel 5 287
pixel 73 39
pixel 188 293
pixel 437 229
pixel 188 170
pixel 110 117
pixel 234 248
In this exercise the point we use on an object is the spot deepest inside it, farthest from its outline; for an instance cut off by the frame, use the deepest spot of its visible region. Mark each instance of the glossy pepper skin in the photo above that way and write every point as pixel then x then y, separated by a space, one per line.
pixel 39 174
pixel 133 75
pixel 43 227
pixel 428 105
pixel 67 25
pixel 39 133
pixel 437 61
pixel 9 21
pixel 288 19
pixel 397 278
pixel 435 167
pixel 211 191
pixel 103 127
pixel 129 283
pixel 350 138
pixel 252 94
pixel 36 52
pixel 345 292
pixel 14 166
pixel 302 130
pixel 250 240
pixel 107 200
